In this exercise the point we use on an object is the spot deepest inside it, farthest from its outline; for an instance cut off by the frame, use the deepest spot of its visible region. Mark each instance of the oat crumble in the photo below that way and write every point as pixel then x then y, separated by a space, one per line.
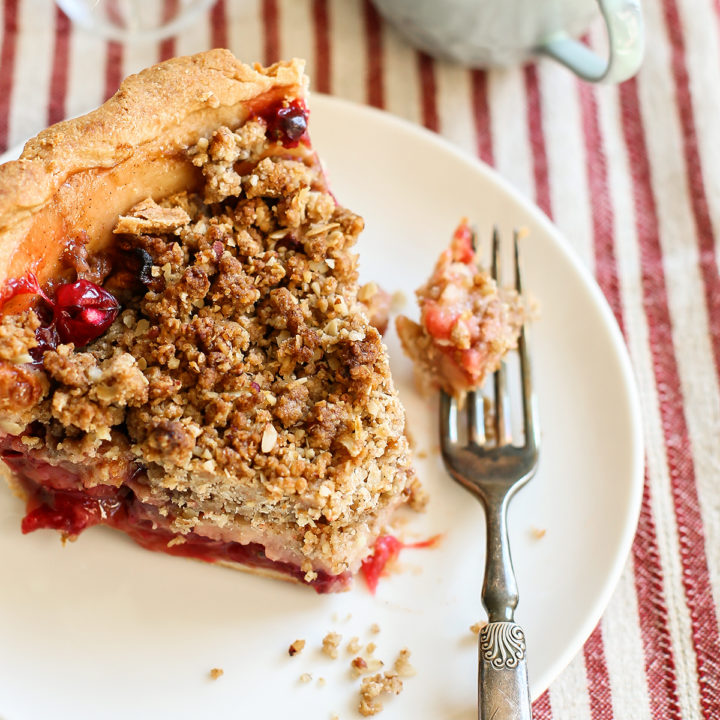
pixel 330 644
pixel 245 380
pixel 402 665
pixel 372 690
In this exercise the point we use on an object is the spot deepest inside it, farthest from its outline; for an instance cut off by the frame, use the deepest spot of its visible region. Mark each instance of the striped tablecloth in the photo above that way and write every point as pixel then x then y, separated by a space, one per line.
pixel 627 173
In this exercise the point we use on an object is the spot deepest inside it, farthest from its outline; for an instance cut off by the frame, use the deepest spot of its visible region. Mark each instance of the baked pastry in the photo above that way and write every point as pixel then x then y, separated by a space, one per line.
pixel 467 323
pixel 183 355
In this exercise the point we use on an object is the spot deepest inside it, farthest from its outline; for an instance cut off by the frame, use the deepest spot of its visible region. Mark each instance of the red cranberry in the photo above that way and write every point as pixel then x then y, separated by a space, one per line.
pixel 293 122
pixel 287 123
pixel 47 339
pixel 144 265
pixel 83 312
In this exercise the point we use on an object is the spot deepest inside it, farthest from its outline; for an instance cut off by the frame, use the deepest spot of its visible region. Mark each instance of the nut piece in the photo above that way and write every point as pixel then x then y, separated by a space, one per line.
pixel 215 673
pixel 358 666
pixel 330 644
pixel 296 647
pixel 363 666
pixel 269 438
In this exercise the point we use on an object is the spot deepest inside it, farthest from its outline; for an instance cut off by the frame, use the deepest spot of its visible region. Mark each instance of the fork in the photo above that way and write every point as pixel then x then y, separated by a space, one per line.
pixel 494 472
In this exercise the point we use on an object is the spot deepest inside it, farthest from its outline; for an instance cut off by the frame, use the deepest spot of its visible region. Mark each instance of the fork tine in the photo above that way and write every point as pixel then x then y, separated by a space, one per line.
pixel 448 420
pixel 499 382
pixel 476 418
pixel 499 376
pixel 528 399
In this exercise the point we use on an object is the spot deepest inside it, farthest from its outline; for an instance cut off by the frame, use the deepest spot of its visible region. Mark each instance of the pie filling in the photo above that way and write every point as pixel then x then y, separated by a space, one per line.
pixel 467 323
pixel 211 384
pixel 56 500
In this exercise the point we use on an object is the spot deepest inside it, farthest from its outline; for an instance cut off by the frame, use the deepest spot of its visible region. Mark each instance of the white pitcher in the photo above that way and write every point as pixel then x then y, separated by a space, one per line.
pixel 485 33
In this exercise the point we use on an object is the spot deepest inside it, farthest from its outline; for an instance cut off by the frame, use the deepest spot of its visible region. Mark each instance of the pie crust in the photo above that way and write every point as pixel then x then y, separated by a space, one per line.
pixel 239 408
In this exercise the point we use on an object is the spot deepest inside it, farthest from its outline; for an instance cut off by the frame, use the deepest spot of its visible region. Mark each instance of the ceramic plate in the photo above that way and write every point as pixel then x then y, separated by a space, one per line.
pixel 102 628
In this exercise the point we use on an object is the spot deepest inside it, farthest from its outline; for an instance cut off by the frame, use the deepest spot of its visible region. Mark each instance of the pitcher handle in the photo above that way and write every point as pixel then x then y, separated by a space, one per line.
pixel 626 40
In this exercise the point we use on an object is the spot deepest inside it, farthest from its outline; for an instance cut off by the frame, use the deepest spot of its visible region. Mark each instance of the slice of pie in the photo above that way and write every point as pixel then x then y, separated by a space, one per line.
pixel 467 323
pixel 183 355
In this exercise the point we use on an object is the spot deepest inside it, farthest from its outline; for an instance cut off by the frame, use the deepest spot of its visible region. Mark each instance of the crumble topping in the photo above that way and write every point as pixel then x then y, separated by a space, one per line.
pixel 374 688
pixel 402 665
pixel 330 644
pixel 243 376
pixel 216 673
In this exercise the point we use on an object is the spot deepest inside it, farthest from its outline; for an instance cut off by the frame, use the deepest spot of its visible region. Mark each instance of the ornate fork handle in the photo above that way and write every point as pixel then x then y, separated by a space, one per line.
pixel 503 673
pixel 503 683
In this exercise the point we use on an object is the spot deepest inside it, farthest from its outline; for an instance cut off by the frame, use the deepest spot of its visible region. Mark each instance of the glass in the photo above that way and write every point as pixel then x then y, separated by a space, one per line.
pixel 133 20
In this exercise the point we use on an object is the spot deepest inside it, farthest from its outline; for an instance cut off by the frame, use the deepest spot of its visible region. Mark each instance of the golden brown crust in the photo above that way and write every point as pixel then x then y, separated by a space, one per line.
pixel 48 193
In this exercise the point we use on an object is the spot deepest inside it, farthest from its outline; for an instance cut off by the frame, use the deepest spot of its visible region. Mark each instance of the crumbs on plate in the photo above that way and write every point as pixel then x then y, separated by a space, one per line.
pixel 374 689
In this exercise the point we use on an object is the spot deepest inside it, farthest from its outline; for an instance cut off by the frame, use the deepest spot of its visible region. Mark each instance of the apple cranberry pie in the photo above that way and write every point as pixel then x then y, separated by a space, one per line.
pixel 183 355
pixel 467 323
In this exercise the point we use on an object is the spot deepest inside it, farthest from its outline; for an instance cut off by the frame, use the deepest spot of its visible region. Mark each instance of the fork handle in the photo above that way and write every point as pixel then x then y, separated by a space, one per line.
pixel 503 682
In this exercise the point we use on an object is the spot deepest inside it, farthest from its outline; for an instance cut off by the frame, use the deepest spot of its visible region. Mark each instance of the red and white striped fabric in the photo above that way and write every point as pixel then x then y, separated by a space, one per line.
pixel 630 174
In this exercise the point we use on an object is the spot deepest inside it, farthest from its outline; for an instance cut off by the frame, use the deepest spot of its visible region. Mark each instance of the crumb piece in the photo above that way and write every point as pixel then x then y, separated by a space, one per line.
pixel 330 644
pixel 321 682
pixel 296 648
pixel 374 628
pixel 348 617
pixel 475 628
pixel 402 664
pixel 538 533
pixel 371 647
pixel 421 454
pixel 398 301
pixel 373 688
pixel 334 716
pixel 305 678
pixel 215 673
pixel 177 540
pixel 358 666
pixel 353 647
pixel 364 666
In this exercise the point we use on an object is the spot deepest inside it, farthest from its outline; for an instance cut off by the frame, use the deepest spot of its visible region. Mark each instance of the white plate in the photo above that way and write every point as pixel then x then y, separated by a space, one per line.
pixel 102 628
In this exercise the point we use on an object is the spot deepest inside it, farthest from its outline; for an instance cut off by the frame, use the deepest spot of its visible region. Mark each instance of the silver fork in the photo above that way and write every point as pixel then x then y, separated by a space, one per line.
pixel 494 472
